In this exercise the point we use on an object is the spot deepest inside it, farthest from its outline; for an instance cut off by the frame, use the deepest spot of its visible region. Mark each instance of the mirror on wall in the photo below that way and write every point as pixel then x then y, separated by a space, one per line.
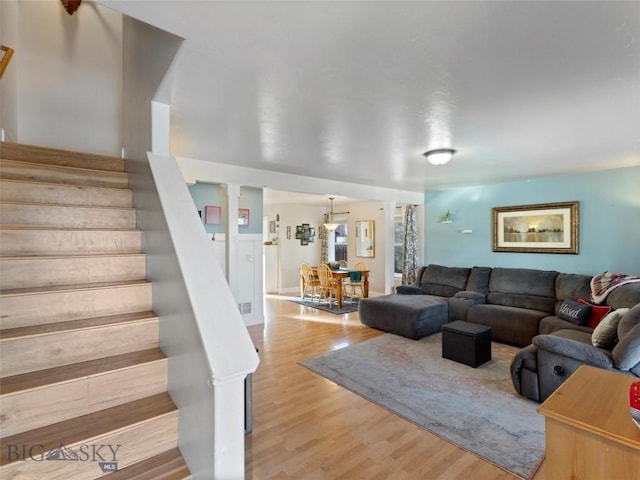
pixel 365 240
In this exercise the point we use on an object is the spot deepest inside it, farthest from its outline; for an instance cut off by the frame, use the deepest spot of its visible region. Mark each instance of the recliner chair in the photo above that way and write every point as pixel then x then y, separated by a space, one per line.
pixel 540 368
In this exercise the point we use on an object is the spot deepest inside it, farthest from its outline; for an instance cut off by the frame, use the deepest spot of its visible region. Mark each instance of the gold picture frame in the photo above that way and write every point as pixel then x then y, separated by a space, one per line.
pixel 538 228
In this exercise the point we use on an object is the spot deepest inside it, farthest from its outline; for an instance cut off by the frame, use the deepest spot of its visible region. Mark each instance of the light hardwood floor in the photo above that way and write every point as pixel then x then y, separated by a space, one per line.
pixel 306 427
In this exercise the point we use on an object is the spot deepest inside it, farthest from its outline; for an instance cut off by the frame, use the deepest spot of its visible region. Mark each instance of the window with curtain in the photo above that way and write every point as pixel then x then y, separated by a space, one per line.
pixel 398 242
pixel 409 258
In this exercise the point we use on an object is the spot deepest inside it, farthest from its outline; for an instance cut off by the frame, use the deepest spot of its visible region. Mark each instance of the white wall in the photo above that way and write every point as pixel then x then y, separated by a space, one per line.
pixel 62 60
pixel 290 253
pixel 368 211
pixel 9 36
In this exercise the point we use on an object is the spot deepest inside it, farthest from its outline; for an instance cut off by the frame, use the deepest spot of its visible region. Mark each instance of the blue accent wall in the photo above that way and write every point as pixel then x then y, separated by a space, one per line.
pixel 214 194
pixel 609 223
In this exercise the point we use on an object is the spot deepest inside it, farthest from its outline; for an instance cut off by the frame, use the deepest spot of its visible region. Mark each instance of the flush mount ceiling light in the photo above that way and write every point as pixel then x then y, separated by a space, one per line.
pixel 439 156
pixel 331 226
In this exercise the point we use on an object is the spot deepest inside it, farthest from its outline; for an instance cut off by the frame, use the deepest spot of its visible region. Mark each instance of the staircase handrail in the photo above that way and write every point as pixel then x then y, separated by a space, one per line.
pixel 228 347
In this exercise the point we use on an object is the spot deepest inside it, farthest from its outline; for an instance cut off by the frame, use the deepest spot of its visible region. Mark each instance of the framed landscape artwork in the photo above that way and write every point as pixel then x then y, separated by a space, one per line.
pixel 539 228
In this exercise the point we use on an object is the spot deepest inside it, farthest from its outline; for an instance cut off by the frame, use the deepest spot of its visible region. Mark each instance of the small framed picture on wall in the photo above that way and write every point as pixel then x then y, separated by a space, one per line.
pixel 212 215
pixel 243 217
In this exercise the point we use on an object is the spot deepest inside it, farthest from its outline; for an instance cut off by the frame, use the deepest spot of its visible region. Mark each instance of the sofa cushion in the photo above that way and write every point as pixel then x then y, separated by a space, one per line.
pixel 571 285
pixel 577 335
pixel 479 280
pixel 624 296
pixel 524 280
pixel 443 281
pixel 516 300
pixel 605 334
pixel 598 312
pixel 412 316
pixel 574 312
pixel 552 324
pixel 523 288
pixel 515 326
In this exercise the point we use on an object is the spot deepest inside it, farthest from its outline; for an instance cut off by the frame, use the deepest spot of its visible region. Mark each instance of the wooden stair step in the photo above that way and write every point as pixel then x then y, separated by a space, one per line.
pixel 75 324
pixel 68 216
pixel 34 348
pixel 57 156
pixel 42 306
pixel 43 271
pixel 20 191
pixel 16 170
pixel 168 465
pixel 128 433
pixel 22 241
pixel 35 399
pixel 43 378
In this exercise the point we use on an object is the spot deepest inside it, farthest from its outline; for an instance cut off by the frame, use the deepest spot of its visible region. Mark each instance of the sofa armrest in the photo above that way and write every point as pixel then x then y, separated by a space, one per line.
pixel 409 290
pixel 574 349
pixel 474 297
pixel 461 302
pixel 524 372
pixel 626 354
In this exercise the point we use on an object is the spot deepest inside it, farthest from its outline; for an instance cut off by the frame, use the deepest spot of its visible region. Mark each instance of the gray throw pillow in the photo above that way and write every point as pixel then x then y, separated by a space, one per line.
pixel 574 312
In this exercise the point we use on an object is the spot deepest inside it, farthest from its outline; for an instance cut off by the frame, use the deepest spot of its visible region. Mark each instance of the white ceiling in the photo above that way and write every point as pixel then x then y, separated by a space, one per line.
pixel 357 91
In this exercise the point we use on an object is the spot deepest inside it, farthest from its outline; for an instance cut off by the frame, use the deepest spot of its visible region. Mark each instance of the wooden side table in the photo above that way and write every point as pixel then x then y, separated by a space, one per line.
pixel 589 431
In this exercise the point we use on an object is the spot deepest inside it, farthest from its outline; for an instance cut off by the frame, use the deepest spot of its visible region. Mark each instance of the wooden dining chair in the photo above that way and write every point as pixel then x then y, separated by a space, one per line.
pixel 343 264
pixel 354 284
pixel 311 283
pixel 328 285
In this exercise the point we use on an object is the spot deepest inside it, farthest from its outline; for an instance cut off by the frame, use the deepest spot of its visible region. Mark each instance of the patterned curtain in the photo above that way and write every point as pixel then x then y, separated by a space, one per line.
pixel 324 247
pixel 410 246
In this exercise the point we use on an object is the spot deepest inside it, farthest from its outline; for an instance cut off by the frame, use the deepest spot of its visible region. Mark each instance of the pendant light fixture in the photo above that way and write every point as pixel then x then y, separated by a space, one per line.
pixel 331 226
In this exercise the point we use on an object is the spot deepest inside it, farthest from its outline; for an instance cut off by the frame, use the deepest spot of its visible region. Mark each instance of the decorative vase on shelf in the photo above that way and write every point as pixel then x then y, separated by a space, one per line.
pixel 446 217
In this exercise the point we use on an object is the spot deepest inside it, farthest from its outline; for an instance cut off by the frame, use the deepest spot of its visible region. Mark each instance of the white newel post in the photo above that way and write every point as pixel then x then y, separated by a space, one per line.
pixel 229 429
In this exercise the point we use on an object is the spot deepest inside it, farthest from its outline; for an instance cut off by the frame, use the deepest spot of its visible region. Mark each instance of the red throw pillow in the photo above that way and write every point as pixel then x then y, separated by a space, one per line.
pixel 597 313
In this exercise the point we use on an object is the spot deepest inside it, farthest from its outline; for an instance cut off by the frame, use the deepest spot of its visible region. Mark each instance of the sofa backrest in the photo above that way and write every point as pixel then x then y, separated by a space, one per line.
pixel 443 281
pixel 523 288
pixel 624 296
pixel 479 280
pixel 572 286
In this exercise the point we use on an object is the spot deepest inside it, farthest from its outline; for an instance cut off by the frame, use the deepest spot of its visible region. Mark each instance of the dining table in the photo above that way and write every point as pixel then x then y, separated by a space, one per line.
pixel 339 275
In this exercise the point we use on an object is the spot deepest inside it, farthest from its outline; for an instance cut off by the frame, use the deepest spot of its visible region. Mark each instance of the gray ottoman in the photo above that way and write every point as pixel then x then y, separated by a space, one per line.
pixel 412 316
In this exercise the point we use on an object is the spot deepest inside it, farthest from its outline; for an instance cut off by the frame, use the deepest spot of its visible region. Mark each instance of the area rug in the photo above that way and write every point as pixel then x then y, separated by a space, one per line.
pixel 347 307
pixel 473 408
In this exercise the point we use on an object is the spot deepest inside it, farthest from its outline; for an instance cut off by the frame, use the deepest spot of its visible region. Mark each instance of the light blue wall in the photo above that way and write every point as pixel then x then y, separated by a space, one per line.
pixel 214 194
pixel 609 228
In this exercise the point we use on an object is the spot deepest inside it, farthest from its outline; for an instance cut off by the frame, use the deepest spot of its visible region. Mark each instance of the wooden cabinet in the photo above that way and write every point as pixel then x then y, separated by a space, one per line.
pixel 589 431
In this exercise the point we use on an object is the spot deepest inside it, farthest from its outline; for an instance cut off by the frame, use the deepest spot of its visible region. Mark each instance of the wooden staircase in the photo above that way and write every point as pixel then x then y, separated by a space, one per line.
pixel 83 384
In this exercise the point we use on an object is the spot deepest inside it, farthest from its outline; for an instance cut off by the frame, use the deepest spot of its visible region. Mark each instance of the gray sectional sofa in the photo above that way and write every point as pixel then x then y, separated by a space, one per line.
pixel 512 301
pixel 522 307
